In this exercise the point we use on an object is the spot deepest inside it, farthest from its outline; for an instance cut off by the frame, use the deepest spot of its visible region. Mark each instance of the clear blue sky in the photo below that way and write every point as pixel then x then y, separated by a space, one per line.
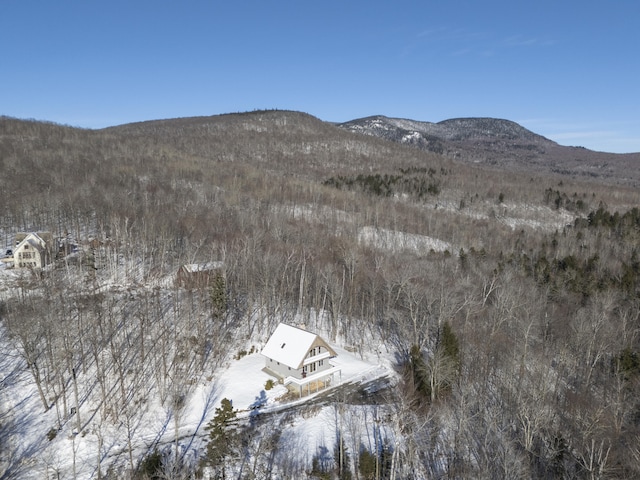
pixel 569 70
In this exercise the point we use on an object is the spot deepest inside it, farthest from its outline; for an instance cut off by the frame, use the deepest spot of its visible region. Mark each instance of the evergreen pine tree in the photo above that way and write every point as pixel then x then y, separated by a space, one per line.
pixel 367 465
pixel 449 344
pixel 218 297
pixel 222 437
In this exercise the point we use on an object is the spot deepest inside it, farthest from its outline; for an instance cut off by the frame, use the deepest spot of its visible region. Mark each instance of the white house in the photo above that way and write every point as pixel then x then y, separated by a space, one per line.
pixel 299 358
pixel 32 250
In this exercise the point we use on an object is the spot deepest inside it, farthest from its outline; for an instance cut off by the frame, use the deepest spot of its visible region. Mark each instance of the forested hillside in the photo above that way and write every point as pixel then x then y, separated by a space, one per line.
pixel 507 303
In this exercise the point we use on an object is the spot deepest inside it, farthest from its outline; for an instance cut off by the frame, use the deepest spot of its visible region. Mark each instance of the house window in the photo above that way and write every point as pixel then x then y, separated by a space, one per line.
pixel 313 367
pixel 320 363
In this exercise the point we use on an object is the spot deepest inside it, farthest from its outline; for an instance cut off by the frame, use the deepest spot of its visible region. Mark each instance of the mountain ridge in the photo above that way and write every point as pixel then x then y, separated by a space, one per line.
pixel 454 128
pixel 499 143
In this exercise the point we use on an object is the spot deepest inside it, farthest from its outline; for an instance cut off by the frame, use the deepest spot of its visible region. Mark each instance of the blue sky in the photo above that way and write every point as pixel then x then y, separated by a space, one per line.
pixel 569 70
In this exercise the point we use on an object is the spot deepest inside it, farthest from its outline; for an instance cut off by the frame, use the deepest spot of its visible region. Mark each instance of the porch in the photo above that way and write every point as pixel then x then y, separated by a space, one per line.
pixel 312 383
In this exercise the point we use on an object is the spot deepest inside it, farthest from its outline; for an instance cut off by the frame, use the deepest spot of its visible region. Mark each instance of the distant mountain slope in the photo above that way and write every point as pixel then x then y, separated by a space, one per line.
pixel 501 143
pixel 301 144
pixel 280 140
pixel 457 131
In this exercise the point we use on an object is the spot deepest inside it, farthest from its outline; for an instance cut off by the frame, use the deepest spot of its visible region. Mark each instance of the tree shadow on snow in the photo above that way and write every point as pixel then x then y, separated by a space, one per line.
pixel 259 402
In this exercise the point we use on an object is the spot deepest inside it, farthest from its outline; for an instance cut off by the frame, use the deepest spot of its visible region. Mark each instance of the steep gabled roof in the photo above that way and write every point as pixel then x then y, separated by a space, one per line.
pixel 34 239
pixel 290 345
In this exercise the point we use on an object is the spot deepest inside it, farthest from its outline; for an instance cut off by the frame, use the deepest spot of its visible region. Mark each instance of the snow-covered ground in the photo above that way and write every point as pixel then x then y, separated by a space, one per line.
pixel 394 240
pixel 243 382
pixel 150 425
pixel 32 446
pixel 511 214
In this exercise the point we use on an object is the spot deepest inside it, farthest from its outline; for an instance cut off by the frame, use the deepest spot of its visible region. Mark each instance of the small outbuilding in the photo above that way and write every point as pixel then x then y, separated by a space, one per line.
pixel 299 358
pixel 198 275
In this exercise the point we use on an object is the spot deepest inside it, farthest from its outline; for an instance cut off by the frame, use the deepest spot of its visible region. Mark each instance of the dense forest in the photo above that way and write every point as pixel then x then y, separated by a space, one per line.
pixel 511 323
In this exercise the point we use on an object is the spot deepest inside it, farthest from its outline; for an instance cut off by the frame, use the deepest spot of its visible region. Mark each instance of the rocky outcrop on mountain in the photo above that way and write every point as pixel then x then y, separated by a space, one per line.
pixel 500 143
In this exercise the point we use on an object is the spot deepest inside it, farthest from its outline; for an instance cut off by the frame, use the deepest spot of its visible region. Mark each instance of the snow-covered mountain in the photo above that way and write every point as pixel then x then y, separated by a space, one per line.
pixel 497 142
pixel 442 136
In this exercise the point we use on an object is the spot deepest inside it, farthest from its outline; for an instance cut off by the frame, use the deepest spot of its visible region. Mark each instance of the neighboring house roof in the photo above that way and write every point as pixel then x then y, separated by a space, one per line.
pixel 290 345
pixel 195 275
pixel 33 239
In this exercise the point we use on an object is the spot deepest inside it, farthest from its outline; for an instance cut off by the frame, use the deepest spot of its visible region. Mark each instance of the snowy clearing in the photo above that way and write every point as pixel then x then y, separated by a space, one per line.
pixel 396 241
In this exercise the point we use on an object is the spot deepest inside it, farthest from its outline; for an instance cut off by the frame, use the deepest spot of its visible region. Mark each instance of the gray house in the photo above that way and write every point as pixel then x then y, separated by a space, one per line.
pixel 299 358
